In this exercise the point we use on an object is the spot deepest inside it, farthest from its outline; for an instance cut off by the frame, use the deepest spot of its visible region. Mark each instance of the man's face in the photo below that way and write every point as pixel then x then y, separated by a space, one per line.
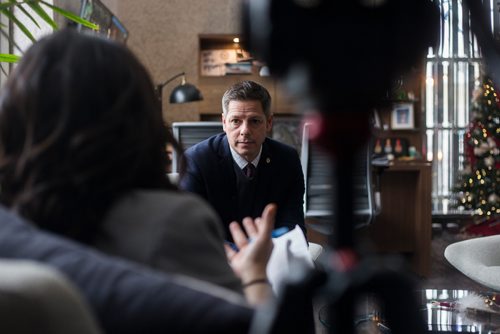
pixel 246 127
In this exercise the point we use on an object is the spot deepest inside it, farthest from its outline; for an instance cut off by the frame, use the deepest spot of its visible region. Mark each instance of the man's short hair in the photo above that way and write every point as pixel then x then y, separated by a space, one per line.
pixel 247 91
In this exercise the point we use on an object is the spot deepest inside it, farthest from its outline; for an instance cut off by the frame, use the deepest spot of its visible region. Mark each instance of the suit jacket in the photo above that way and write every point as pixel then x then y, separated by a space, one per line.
pixel 125 297
pixel 171 231
pixel 210 173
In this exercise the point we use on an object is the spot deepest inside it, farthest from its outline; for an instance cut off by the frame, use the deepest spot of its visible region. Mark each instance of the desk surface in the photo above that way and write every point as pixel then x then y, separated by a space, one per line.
pixel 405 165
pixel 443 311
pixel 452 311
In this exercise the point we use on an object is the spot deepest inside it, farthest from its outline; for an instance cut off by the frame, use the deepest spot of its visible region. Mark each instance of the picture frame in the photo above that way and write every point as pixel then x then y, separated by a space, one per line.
pixel 403 116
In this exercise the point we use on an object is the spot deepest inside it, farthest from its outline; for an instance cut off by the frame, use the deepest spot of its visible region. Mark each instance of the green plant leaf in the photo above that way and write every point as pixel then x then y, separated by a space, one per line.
pixel 4 5
pixel 6 8
pixel 8 13
pixel 71 16
pixel 9 58
pixel 42 13
pixel 22 9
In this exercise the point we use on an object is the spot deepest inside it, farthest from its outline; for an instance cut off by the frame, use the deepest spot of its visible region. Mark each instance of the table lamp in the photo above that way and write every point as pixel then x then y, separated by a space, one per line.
pixel 182 93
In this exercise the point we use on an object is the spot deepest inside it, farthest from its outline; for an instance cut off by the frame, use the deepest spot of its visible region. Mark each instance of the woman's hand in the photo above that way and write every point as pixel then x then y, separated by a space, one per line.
pixel 255 247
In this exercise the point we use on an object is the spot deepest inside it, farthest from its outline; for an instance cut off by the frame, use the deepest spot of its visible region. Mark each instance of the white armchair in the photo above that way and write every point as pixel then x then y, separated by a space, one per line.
pixel 35 298
pixel 478 259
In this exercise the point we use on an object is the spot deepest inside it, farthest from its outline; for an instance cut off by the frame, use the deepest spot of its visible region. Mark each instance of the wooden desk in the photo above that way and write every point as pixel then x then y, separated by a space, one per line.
pixel 404 225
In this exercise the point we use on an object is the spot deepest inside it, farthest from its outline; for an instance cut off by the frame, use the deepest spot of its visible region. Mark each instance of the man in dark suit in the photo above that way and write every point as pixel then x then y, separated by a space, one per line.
pixel 240 171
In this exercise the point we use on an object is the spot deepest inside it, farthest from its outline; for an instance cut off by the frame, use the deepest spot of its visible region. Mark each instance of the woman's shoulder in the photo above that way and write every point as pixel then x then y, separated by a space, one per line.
pixel 171 206
pixel 158 214
pixel 154 200
pixel 160 196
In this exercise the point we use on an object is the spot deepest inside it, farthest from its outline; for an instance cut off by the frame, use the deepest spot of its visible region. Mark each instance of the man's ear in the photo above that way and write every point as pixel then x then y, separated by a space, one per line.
pixel 223 120
pixel 269 125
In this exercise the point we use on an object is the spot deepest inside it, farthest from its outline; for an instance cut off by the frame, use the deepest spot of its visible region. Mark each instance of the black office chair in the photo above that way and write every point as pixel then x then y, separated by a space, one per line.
pixel 318 170
pixel 190 133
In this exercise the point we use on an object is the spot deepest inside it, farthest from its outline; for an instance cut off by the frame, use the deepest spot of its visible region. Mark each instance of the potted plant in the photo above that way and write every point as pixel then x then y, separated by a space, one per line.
pixel 35 11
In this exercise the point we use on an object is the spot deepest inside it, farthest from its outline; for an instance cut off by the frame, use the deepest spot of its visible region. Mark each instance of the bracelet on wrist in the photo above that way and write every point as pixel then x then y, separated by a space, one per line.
pixel 255 281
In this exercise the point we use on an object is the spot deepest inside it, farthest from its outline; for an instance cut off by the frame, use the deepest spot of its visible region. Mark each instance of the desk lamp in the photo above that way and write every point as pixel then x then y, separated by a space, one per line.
pixel 183 93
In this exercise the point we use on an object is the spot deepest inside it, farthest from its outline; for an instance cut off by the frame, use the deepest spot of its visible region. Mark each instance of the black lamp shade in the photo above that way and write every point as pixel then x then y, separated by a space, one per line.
pixel 185 93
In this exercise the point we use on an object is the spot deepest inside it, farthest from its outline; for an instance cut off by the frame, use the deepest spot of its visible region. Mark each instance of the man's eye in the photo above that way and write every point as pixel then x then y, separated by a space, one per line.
pixel 235 121
pixel 256 121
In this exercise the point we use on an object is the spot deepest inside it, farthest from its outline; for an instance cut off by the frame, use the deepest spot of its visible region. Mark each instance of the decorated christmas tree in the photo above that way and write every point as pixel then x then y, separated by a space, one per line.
pixel 478 187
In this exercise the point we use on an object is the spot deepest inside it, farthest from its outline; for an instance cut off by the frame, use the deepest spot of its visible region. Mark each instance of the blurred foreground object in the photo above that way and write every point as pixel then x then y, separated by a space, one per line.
pixel 340 55
pixel 340 59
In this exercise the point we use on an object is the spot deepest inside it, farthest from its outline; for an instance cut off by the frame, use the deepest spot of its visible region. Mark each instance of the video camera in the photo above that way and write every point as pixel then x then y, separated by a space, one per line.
pixel 339 58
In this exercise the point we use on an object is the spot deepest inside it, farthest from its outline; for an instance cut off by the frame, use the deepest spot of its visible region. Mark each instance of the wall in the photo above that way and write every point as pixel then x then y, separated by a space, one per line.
pixel 164 35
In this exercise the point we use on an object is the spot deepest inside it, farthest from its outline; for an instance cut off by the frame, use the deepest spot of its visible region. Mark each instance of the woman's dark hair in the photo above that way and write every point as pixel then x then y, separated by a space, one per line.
pixel 80 126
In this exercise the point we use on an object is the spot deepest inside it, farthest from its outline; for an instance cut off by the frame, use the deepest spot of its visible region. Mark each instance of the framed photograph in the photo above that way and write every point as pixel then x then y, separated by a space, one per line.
pixel 402 116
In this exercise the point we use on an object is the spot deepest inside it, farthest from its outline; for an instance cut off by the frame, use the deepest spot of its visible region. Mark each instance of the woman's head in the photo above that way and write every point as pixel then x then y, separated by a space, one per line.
pixel 79 126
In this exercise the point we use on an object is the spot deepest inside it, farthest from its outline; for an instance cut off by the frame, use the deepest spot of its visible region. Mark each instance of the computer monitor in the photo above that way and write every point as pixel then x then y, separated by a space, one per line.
pixel 190 133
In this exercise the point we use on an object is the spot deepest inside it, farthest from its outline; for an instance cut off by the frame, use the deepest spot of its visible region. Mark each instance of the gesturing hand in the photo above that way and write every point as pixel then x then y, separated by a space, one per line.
pixel 255 247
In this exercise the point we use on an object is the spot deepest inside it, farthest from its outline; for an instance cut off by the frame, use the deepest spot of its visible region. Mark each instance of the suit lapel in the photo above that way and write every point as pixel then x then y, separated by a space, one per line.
pixel 228 183
pixel 264 178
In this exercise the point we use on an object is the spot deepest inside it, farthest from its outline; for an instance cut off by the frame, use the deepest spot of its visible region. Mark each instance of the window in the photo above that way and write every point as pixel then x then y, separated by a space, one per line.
pixel 453 71
pixel 19 42
pixel 4 48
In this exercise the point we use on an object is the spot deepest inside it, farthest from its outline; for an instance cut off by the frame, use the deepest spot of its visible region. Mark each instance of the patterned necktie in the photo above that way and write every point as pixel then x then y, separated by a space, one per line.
pixel 249 171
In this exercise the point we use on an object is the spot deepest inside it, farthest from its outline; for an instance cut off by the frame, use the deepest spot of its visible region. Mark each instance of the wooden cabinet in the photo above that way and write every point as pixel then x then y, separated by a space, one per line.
pixel 404 224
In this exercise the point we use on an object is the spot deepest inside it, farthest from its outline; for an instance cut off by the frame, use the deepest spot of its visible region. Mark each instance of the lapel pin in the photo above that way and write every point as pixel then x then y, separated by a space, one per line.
pixel 268 160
